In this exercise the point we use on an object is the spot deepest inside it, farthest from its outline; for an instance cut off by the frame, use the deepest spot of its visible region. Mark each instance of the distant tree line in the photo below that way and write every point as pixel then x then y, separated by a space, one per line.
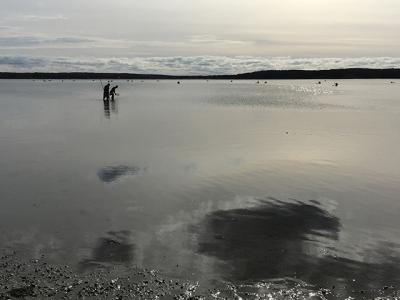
pixel 354 73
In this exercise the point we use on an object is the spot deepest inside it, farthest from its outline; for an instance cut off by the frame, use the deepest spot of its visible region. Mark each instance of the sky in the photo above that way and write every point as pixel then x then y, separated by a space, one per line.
pixel 197 36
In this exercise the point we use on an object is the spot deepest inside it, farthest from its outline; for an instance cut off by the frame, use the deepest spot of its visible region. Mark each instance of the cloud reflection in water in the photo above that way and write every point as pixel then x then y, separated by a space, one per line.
pixel 278 240
pixel 267 240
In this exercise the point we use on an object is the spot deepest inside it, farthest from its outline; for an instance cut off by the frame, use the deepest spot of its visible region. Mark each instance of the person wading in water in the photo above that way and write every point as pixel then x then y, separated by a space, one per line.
pixel 113 93
pixel 106 92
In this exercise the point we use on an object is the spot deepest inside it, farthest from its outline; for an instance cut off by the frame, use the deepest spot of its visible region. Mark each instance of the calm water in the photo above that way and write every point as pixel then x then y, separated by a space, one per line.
pixel 262 186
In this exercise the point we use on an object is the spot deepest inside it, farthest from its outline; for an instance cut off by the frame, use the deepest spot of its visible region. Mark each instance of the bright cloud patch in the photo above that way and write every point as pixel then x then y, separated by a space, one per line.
pixel 193 65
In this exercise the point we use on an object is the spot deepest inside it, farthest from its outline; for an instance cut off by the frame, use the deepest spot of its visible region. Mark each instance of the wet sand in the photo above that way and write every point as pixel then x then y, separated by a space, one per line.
pixel 229 189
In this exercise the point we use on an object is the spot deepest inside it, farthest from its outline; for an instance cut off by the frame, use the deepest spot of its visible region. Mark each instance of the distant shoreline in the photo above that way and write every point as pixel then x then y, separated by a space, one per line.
pixel 356 73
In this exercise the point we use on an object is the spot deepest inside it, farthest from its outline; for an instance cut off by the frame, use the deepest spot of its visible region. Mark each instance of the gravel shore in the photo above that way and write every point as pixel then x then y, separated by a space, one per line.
pixel 39 279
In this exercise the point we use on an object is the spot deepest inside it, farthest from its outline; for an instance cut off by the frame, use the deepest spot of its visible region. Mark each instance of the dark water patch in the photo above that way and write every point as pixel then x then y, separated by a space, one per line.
pixel 113 173
pixel 116 248
pixel 287 240
pixel 267 240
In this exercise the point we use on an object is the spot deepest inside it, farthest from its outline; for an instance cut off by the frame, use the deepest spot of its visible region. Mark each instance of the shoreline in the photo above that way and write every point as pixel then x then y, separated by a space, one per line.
pixel 36 278
pixel 22 278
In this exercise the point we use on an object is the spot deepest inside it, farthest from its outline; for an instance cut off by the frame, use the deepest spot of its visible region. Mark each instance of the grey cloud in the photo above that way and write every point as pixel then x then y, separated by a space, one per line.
pixel 35 41
pixel 23 62
pixel 211 39
pixel 7 28
pixel 180 28
pixel 31 17
pixel 16 41
pixel 191 65
pixel 189 46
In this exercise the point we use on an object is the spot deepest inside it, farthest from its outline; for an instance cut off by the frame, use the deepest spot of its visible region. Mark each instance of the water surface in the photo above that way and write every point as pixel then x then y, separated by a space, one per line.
pixel 262 186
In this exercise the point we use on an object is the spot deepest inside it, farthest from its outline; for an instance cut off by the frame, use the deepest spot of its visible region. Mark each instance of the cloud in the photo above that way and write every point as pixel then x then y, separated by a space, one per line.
pixel 7 28
pixel 38 41
pixel 189 65
pixel 211 39
pixel 205 46
pixel 35 18
pixel 42 41
pixel 22 62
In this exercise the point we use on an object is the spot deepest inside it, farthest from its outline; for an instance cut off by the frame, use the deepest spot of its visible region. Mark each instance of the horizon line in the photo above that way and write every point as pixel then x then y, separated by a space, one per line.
pixel 340 73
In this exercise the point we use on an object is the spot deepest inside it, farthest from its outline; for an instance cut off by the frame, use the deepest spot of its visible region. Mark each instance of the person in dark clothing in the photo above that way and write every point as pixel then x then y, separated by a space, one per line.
pixel 112 92
pixel 106 92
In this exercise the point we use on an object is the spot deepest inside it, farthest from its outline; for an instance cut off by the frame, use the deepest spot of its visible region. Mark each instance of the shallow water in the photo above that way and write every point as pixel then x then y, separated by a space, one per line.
pixel 262 186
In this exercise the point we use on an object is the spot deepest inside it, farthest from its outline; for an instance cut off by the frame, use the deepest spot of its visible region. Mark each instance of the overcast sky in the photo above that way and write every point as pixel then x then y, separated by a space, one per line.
pixel 197 36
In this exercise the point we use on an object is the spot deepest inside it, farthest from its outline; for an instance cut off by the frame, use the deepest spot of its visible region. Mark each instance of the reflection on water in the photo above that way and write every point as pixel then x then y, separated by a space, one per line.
pixel 272 240
pixel 113 173
pixel 116 248
pixel 285 96
pixel 114 106
pixel 107 104
pixel 267 241
pixel 277 240
pixel 70 183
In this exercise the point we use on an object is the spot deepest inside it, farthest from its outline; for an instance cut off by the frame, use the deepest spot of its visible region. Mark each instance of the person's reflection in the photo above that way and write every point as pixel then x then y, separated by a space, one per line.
pixel 114 106
pixel 106 109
